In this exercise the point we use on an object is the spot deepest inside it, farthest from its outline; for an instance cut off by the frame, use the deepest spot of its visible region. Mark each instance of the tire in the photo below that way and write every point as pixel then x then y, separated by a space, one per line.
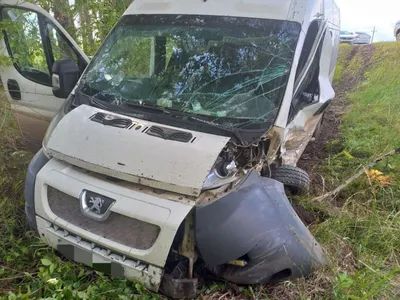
pixel 398 36
pixel 295 180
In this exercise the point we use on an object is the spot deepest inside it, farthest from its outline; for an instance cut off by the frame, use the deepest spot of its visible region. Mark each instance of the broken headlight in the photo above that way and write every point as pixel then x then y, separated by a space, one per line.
pixel 222 173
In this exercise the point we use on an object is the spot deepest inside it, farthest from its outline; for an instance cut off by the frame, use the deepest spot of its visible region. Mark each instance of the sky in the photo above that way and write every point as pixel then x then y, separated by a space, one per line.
pixel 363 15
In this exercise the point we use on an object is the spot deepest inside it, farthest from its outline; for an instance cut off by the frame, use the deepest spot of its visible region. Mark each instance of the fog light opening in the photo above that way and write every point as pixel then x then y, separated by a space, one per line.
pixel 281 276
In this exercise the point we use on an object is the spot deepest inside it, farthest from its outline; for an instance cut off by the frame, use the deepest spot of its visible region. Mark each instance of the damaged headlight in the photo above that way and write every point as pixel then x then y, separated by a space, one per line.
pixel 222 173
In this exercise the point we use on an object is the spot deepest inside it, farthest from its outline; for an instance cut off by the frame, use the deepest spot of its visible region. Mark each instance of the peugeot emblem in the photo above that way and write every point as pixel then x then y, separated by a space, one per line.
pixel 95 206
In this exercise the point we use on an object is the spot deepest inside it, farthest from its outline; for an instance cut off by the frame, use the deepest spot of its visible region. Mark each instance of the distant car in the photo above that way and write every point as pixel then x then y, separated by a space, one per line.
pixel 347 37
pixel 397 31
pixel 362 38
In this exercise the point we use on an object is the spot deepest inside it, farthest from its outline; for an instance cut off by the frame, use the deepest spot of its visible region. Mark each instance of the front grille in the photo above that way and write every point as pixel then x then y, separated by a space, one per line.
pixel 111 120
pixel 170 134
pixel 118 228
pixel 96 248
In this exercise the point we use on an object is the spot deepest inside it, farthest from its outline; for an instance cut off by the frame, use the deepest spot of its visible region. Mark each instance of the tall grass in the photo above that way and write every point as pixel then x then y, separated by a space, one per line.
pixel 368 227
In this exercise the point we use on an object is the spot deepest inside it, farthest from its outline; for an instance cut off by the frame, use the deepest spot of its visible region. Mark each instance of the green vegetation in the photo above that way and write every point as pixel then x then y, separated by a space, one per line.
pixel 88 22
pixel 345 51
pixel 363 238
pixel 360 232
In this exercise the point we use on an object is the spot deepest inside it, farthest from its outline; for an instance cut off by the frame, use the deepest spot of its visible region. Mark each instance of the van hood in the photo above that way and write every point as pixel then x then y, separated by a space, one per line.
pixel 135 150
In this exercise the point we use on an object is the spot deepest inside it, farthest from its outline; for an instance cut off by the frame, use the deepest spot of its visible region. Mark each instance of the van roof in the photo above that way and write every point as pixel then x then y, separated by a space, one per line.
pixel 268 9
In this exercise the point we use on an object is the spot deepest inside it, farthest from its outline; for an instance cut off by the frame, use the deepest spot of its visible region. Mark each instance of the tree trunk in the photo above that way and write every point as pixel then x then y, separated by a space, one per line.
pixel 64 15
pixel 86 27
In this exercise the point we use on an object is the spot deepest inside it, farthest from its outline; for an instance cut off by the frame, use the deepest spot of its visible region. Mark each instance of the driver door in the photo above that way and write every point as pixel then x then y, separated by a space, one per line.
pixel 33 40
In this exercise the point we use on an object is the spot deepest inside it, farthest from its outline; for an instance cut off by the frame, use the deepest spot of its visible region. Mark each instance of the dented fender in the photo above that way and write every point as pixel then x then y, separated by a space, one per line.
pixel 256 220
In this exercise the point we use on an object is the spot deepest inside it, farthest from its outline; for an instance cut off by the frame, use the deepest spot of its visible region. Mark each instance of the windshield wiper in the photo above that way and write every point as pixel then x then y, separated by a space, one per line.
pixel 145 105
pixel 232 132
pixel 183 115
pixel 98 103
pixel 167 111
pixel 104 104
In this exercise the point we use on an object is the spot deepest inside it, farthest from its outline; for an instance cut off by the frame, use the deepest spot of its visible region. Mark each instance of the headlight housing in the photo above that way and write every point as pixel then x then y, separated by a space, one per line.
pixel 222 173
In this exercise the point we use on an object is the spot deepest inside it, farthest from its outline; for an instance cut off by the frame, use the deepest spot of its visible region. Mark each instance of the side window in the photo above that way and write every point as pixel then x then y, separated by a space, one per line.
pixel 308 44
pixel 60 48
pixel 25 44
pixel 309 86
pixel 308 91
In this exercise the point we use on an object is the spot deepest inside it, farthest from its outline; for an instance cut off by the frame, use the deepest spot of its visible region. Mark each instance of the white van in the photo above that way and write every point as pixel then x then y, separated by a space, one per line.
pixel 174 144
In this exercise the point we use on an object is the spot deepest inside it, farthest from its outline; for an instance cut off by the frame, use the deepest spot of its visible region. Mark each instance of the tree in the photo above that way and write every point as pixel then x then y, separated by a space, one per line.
pixel 64 15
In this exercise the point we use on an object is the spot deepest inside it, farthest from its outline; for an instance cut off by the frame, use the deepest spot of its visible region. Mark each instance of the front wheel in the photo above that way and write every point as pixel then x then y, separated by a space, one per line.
pixel 398 36
pixel 294 179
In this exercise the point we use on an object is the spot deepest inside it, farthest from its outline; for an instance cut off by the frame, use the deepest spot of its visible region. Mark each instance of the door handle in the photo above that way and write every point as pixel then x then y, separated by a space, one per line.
pixel 13 89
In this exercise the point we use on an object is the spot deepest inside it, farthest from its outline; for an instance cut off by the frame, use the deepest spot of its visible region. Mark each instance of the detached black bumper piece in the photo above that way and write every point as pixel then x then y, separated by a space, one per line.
pixel 36 164
pixel 256 223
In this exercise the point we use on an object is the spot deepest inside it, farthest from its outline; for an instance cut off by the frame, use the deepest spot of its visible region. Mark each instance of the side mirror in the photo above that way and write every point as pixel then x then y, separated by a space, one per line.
pixel 66 74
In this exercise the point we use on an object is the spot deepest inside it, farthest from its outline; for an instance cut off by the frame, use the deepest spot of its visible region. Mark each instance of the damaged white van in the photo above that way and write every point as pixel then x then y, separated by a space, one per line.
pixel 174 144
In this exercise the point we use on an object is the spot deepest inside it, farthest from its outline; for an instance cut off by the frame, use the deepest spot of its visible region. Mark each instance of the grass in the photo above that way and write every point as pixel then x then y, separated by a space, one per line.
pixel 369 223
pixel 362 238
pixel 345 51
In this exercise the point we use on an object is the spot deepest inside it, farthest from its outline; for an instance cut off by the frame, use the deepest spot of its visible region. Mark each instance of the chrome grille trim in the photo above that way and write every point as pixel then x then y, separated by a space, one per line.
pixel 98 249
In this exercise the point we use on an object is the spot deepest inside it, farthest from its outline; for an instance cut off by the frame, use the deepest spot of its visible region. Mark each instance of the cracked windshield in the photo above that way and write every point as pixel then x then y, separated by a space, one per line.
pixel 229 71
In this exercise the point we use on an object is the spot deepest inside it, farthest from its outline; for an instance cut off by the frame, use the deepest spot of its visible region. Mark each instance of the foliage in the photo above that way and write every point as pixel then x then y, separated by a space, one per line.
pixel 24 39
pixel 5 61
pixel 378 177
pixel 88 22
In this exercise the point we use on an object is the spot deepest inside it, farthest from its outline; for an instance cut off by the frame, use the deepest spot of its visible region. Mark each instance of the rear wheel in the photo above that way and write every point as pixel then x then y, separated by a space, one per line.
pixel 294 179
pixel 398 36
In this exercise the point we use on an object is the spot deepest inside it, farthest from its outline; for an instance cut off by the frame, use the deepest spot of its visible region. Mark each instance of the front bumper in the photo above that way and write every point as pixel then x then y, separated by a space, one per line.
pixel 256 221
pixel 346 41
pixel 37 163
pixel 362 41
pixel 53 208
pixel 97 256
